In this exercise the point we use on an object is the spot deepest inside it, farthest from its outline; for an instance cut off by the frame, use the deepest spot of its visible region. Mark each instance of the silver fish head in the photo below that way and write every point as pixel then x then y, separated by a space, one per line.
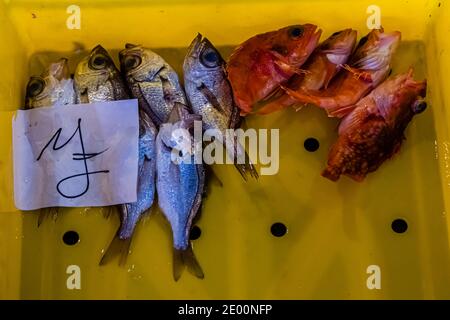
pixel 207 86
pixel 53 87
pixel 202 59
pixel 139 63
pixel 152 81
pixel 98 79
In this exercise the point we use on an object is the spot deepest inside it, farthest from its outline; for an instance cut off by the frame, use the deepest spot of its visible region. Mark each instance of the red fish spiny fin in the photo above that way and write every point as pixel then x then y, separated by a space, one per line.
pixel 363 75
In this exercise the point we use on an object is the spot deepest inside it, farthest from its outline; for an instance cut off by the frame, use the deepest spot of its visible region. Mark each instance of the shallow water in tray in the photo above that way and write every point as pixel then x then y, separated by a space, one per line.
pixel 335 231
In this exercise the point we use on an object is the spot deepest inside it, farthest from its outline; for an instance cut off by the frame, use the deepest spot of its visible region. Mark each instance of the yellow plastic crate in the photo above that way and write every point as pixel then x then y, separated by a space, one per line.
pixel 335 230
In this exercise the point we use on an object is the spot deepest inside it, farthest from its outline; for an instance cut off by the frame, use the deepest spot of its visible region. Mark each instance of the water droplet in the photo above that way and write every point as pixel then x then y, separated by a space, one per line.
pixel 436 150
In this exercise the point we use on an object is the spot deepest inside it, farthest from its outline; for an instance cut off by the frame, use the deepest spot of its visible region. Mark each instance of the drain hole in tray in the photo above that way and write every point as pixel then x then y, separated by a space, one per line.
pixel 71 238
pixel 399 226
pixel 278 229
pixel 311 144
pixel 195 233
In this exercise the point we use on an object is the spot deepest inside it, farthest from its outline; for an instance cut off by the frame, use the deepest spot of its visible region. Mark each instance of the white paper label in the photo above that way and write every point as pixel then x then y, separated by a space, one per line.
pixel 76 156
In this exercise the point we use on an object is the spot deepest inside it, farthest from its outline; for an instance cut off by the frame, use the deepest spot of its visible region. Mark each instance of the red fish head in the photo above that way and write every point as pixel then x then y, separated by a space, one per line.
pixel 339 46
pixel 404 97
pixel 295 43
pixel 374 51
pixel 340 42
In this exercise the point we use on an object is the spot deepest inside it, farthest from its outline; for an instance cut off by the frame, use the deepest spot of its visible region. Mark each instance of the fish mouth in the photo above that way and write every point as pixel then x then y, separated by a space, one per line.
pixel 195 46
pixel 309 43
pixel 389 40
pixel 344 42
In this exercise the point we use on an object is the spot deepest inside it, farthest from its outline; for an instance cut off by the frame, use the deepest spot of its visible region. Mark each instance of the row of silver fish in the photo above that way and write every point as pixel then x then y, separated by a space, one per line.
pixel 163 107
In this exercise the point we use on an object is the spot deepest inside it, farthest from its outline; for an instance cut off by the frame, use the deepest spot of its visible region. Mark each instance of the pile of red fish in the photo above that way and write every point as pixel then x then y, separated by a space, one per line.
pixel 288 67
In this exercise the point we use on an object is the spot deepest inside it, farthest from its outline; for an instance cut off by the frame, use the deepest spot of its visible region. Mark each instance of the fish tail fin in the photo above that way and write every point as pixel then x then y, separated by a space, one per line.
pixel 186 258
pixel 45 213
pixel 117 247
pixel 331 173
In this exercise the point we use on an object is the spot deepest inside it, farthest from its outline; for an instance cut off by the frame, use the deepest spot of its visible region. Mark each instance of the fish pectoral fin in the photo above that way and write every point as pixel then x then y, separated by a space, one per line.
pixel 209 95
pixel 186 258
pixel 117 247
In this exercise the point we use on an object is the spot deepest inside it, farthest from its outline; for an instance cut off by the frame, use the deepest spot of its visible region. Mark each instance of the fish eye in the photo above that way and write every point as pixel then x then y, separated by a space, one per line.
pixel 98 61
pixel 131 62
pixel 363 41
pixel 210 58
pixel 35 87
pixel 296 32
pixel 419 107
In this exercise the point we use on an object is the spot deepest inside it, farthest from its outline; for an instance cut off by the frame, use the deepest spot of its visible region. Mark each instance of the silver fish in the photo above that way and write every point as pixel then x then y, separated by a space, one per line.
pixel 132 212
pixel 97 79
pixel 152 81
pixel 179 187
pixel 210 95
pixel 53 87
